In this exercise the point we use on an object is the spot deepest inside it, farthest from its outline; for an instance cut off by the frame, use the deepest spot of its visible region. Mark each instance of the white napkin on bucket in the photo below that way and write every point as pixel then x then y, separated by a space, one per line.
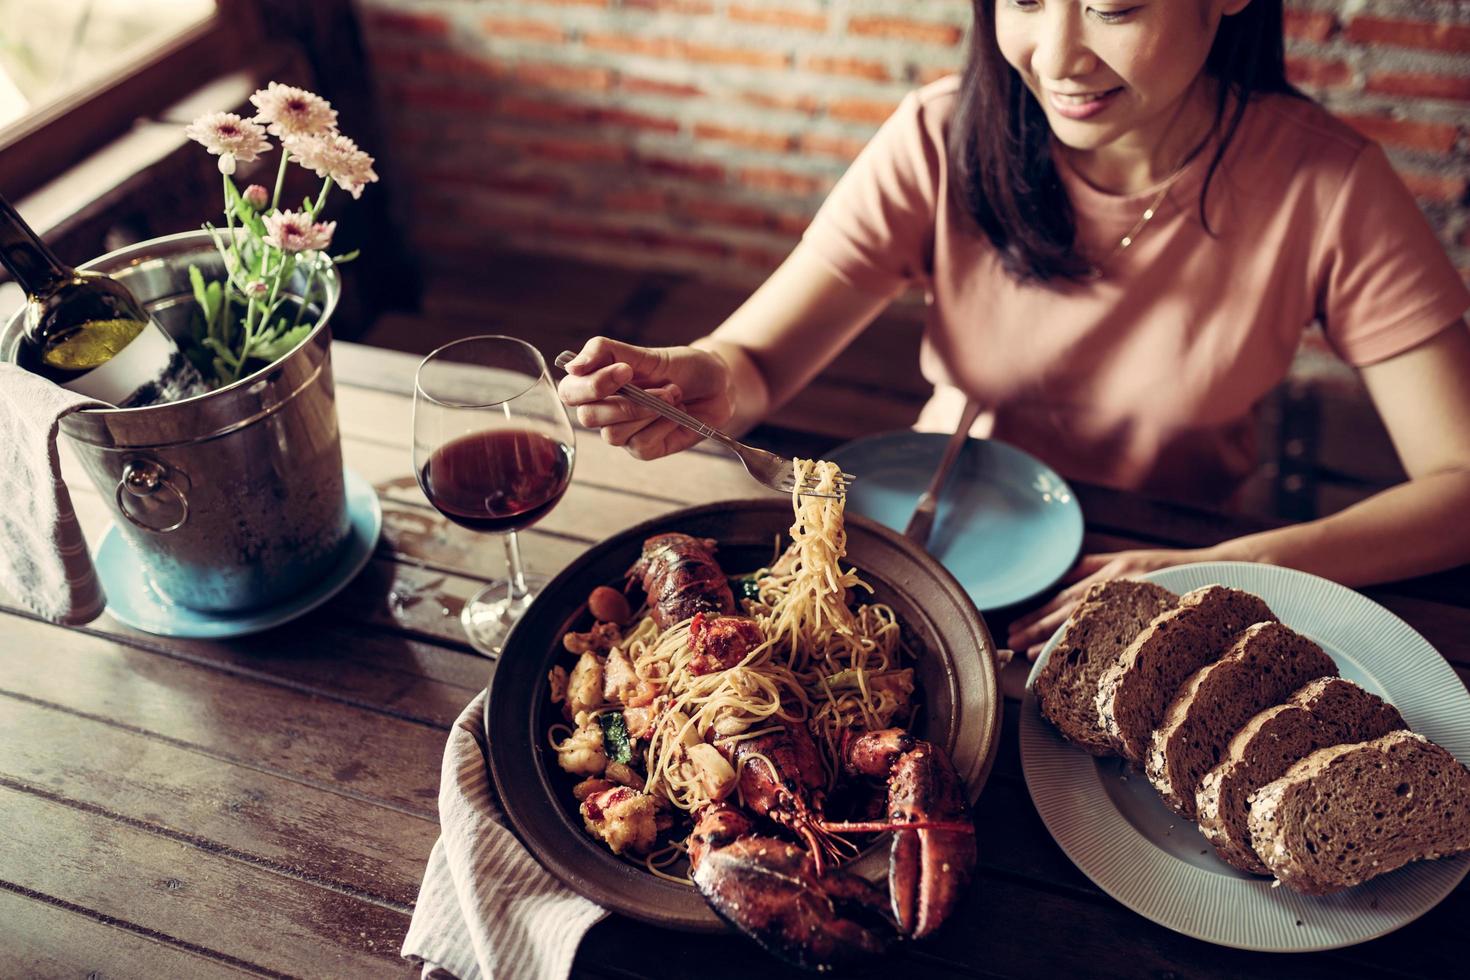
pixel 486 908
pixel 44 563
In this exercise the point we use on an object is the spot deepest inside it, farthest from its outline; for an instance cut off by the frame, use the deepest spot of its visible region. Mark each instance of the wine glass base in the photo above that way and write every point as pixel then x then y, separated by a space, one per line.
pixel 490 613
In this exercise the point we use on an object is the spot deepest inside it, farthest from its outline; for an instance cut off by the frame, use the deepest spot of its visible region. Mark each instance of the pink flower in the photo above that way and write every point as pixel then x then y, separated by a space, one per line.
pixel 257 197
pixel 233 138
pixel 293 231
pixel 334 155
pixel 292 111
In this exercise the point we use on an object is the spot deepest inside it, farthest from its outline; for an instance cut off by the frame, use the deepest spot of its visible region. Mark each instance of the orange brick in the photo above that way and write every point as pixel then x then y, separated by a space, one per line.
pixel 905 29
pixel 856 67
pixel 443 97
pixel 580 3
pixel 537 185
pixel 1410 33
pixel 1435 187
pixel 1318 72
pixel 544 110
pixel 1434 137
pixel 636 200
pixel 674 6
pixel 1310 25
pixel 636 120
pixel 713 54
pixel 1419 85
pixel 934 73
pixel 861 110
pixel 782 181
pixel 523 29
pixel 830 146
pixel 687 169
pixel 756 139
pixel 576 151
pixel 575 78
pixel 656 86
pixel 742 215
pixel 802 20
pixel 798 102
pixel 759 258
pixel 417 25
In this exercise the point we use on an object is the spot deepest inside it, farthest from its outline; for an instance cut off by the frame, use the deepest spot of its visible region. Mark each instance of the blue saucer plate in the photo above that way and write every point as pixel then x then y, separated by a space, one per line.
pixel 1007 525
pixel 132 600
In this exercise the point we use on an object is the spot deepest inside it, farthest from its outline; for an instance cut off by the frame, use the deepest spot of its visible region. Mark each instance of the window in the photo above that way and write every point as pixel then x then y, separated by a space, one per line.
pixel 75 74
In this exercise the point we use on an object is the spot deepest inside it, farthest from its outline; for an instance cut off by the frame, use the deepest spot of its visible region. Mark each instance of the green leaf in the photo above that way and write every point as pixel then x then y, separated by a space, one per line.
pixel 615 741
pixel 280 344
pixel 344 259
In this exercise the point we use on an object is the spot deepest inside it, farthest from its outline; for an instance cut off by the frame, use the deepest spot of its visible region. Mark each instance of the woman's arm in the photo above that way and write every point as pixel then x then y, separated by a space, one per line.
pixel 777 341
pixel 1416 527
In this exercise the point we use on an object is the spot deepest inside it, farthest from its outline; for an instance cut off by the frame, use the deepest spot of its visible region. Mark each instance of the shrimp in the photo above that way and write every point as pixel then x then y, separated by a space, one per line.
pixel 582 752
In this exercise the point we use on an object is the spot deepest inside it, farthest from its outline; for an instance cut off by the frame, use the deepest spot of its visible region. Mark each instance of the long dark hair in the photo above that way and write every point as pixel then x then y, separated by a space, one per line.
pixel 1004 176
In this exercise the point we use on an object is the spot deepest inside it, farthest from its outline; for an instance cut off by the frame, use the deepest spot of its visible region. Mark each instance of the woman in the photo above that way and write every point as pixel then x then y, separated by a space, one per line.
pixel 1124 217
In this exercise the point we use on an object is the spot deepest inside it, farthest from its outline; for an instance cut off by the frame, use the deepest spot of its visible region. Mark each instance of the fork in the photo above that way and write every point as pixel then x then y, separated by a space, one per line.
pixel 765 467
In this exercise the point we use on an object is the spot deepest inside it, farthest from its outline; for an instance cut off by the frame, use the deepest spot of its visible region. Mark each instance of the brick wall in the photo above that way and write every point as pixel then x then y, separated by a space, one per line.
pixel 701 135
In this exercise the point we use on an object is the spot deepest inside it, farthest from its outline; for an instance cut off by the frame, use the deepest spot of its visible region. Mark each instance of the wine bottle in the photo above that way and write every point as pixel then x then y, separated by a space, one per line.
pixel 87 332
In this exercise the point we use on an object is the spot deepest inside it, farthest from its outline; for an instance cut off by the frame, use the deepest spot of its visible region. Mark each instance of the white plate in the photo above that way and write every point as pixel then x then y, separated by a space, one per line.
pixel 1114 827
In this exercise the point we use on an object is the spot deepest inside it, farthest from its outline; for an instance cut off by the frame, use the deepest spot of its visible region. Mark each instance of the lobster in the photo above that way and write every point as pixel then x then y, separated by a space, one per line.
pixel 786 898
pixel 681 578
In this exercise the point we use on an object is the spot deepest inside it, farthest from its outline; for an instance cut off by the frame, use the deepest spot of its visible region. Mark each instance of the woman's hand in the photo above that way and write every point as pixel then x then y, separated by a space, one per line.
pixel 698 381
pixel 1031 631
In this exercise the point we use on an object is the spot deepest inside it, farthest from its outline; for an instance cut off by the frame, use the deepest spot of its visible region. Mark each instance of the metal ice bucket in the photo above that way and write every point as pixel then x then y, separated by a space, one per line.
pixel 233 499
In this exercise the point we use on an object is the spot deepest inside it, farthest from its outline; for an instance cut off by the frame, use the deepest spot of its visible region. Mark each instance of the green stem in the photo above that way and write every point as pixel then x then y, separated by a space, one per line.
pixel 321 199
pixel 306 293
pixel 280 179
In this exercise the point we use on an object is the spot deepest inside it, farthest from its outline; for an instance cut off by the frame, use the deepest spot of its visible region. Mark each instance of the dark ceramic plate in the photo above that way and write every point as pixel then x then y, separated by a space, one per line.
pixel 956 671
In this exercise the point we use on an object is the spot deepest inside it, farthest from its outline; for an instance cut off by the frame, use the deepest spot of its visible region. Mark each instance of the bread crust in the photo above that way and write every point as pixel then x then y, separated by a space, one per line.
pixel 1106 620
pixel 1267 662
pixel 1134 693
pixel 1351 812
pixel 1324 712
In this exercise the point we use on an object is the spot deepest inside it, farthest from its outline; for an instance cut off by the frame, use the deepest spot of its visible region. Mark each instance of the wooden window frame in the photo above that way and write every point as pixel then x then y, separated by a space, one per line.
pixel 42 144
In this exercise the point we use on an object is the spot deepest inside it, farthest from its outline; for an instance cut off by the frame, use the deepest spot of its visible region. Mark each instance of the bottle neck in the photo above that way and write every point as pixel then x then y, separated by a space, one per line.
pixel 29 260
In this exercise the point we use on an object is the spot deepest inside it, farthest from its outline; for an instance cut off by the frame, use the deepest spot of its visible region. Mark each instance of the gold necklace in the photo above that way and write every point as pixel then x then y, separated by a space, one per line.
pixel 1132 234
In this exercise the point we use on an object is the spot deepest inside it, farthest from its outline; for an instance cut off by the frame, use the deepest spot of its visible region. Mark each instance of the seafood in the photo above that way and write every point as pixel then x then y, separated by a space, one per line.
pixel 771 890
pixel 681 578
pixel 721 642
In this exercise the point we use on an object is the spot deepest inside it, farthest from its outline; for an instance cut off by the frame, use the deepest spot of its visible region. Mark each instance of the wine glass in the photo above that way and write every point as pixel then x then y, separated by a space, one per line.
pixel 493 449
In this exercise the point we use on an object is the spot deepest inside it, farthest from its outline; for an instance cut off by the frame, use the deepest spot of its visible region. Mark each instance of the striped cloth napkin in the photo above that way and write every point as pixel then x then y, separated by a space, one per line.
pixel 44 563
pixel 486 908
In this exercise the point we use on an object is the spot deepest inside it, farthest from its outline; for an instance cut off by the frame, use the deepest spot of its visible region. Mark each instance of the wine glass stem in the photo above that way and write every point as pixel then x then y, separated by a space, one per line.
pixel 516 575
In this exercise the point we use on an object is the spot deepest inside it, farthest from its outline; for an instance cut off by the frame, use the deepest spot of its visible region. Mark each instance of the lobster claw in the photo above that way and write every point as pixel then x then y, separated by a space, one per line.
pixel 933 855
pixel 770 890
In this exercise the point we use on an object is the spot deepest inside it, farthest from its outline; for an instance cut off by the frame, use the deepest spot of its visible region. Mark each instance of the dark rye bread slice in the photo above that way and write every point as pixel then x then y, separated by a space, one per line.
pixel 1107 619
pixel 1327 711
pixel 1347 813
pixel 1134 693
pixel 1266 663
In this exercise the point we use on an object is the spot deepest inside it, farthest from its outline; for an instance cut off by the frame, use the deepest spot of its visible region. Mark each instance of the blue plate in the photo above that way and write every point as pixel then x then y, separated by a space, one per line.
pixel 131 599
pixel 1007 525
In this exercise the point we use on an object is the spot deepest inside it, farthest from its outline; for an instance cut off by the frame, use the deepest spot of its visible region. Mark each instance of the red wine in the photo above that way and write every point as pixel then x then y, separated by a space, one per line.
pixel 501 480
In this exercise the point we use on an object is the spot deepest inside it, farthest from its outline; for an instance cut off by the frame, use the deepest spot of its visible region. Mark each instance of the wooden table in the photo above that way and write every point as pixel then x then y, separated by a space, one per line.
pixel 266 805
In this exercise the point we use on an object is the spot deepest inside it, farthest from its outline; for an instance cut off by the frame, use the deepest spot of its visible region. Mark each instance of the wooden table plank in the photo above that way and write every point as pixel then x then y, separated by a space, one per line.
pixel 45 940
pixel 254 816
pixel 194 896
pixel 237 719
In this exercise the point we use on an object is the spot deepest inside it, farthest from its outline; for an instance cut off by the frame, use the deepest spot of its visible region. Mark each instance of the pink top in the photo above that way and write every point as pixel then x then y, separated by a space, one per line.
pixel 1146 379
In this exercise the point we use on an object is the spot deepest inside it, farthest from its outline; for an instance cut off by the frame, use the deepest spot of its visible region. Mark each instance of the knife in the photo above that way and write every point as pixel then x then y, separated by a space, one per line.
pixel 922 521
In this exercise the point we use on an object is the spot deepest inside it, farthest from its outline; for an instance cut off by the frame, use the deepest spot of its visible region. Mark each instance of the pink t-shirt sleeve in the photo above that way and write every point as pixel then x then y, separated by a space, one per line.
pixel 876 228
pixel 1385 282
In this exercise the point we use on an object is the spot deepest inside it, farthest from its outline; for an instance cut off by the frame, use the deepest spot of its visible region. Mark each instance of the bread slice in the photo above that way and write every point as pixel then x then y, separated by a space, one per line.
pixel 1107 619
pixel 1324 712
pixel 1133 694
pixel 1266 663
pixel 1347 813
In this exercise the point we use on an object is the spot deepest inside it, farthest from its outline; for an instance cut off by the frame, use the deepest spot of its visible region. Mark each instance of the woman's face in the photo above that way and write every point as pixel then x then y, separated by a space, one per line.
pixel 1110 72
